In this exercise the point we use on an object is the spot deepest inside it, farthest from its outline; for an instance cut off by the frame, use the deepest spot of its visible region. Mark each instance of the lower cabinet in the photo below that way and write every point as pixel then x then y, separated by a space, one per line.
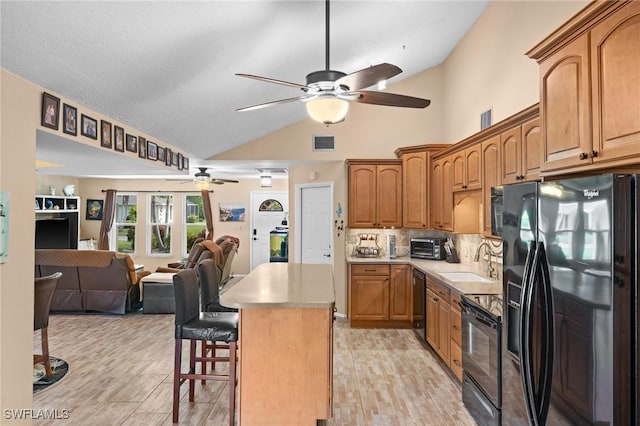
pixel 444 325
pixel 380 295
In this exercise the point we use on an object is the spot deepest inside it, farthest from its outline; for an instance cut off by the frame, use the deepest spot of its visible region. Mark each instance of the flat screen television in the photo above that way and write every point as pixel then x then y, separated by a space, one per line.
pixel 53 233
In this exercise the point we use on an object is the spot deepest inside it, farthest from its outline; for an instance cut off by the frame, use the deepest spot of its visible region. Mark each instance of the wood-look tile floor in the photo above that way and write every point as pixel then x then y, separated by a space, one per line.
pixel 120 373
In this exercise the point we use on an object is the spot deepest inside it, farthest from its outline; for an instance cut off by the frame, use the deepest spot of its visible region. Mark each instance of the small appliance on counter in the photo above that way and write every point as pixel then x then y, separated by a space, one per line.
pixel 367 246
pixel 391 246
pixel 428 248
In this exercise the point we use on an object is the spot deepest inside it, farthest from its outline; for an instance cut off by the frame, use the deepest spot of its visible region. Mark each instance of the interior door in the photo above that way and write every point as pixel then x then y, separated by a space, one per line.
pixel 316 230
pixel 267 211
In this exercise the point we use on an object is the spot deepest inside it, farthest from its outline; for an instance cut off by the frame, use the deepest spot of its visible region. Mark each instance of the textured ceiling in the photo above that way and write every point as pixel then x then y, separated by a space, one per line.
pixel 167 68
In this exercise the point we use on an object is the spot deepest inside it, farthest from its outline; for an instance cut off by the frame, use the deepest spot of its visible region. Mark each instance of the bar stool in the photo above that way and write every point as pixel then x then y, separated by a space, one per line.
pixel 209 276
pixel 191 325
pixel 43 294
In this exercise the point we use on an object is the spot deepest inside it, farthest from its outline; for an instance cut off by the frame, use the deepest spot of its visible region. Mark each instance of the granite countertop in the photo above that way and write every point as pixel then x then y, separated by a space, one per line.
pixel 434 268
pixel 282 285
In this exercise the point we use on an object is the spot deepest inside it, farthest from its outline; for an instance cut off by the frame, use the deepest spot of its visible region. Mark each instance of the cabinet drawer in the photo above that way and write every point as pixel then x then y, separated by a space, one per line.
pixel 456 360
pixel 455 301
pixel 369 269
pixel 455 318
pixel 439 289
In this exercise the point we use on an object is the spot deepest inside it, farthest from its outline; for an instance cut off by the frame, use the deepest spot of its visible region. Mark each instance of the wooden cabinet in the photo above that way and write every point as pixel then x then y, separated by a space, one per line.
pixel 380 295
pixel 415 184
pixel 441 203
pixel 466 169
pixel 455 323
pixel 490 177
pixel 521 153
pixel 375 194
pixel 531 150
pixel 589 85
pixel 438 319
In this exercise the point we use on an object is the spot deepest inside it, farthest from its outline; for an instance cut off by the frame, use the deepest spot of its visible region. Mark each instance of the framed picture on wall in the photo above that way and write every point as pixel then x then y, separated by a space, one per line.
pixel 105 127
pixel 118 139
pixel 167 154
pixel 70 120
pixel 185 163
pixel 132 143
pixel 162 154
pixel 50 111
pixel 180 161
pixel 94 209
pixel 152 151
pixel 142 147
pixel 89 127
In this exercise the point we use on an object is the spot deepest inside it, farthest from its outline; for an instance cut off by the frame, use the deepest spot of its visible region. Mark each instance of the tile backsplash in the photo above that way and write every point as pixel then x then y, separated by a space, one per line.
pixel 466 245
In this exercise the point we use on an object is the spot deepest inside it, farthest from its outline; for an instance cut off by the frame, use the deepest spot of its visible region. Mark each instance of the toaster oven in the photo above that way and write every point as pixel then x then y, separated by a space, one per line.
pixel 428 248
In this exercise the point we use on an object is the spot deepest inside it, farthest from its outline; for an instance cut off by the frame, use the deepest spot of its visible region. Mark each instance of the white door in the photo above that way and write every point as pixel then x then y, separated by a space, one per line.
pixel 314 204
pixel 264 220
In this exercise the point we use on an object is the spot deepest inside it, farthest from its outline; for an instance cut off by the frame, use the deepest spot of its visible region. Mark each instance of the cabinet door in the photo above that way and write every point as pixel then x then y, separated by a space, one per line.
pixel 432 319
pixel 447 194
pixel 389 196
pixel 400 296
pixel 458 176
pixel 455 318
pixel 362 196
pixel 511 147
pixel 565 106
pixel 615 68
pixel 414 190
pixel 443 330
pixel 531 149
pixel 456 360
pixel 473 167
pixel 436 198
pixel 490 177
pixel 370 297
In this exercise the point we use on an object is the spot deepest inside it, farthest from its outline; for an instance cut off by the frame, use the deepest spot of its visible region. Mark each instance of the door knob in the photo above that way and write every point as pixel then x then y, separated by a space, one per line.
pixel 326 255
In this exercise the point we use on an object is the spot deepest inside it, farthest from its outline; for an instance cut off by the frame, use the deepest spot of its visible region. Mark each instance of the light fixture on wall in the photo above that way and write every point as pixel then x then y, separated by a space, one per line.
pixel 327 109
pixel 265 181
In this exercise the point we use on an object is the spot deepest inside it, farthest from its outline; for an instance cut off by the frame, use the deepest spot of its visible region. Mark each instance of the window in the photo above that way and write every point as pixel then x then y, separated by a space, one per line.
pixel 123 232
pixel 159 224
pixel 194 221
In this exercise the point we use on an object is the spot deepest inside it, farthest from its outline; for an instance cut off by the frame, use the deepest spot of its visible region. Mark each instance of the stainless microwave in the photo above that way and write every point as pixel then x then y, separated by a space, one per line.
pixel 428 248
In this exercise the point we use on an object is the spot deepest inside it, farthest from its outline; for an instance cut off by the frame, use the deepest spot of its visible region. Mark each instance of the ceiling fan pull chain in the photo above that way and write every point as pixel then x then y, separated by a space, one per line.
pixel 326 61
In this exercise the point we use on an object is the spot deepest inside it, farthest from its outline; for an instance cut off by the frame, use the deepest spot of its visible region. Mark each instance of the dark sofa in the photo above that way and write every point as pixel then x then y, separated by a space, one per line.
pixel 92 280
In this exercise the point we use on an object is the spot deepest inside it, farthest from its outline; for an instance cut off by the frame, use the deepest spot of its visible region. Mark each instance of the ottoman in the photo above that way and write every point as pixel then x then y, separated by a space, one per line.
pixel 156 293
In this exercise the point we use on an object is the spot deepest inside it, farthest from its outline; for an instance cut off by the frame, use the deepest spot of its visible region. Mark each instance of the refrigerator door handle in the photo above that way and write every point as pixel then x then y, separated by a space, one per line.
pixel 548 347
pixel 526 364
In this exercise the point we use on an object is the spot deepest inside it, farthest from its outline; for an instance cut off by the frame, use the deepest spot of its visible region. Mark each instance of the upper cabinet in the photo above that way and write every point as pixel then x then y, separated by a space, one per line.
pixel 416 166
pixel 490 177
pixel 375 194
pixel 521 152
pixel 589 85
pixel 466 169
pixel 441 200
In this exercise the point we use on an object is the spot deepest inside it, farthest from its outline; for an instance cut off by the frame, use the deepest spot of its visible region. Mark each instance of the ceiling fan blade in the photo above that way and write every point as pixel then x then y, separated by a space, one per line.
pixel 273 80
pixel 267 104
pixel 225 180
pixel 389 99
pixel 216 182
pixel 368 76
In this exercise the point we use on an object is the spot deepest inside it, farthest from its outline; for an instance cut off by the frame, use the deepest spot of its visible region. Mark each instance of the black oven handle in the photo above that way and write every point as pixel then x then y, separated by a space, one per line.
pixel 482 320
pixel 477 315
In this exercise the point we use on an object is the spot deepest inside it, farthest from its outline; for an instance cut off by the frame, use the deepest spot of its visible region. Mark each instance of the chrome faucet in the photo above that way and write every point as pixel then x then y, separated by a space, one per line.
pixel 476 257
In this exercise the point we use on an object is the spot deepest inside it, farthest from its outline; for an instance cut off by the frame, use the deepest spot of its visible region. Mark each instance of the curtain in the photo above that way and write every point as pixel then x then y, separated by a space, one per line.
pixel 206 204
pixel 108 212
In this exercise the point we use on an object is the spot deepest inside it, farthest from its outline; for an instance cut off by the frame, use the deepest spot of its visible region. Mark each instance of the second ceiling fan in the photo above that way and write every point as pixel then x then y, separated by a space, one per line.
pixel 327 92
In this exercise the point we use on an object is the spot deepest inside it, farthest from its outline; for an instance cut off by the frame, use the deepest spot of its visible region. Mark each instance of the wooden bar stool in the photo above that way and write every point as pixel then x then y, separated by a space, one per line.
pixel 43 294
pixel 192 325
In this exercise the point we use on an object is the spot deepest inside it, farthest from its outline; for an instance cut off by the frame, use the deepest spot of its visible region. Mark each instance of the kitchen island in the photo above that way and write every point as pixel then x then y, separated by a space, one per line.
pixel 285 343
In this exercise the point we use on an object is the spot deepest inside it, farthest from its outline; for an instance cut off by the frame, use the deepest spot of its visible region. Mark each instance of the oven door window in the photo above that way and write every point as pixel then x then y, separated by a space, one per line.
pixel 480 353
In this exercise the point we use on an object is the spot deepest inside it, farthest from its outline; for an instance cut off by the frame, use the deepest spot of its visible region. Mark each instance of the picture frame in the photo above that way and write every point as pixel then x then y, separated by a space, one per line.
pixel 168 155
pixel 106 135
pixel 232 212
pixel 118 139
pixel 70 120
pixel 185 163
pixel 162 154
pixel 50 111
pixel 94 209
pixel 174 158
pixel 180 161
pixel 142 147
pixel 89 127
pixel 132 143
pixel 152 151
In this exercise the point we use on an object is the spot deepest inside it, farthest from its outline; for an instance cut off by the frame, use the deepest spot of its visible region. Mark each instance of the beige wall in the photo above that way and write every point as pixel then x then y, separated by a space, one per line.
pixel 19 119
pixel 489 68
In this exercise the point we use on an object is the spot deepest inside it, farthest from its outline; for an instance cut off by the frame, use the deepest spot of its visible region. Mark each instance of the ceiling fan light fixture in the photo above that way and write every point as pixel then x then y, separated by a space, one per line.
pixel 202 184
pixel 327 109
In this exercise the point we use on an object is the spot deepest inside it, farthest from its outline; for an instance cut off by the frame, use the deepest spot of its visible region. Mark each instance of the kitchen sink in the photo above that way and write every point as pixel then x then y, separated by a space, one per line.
pixel 465 276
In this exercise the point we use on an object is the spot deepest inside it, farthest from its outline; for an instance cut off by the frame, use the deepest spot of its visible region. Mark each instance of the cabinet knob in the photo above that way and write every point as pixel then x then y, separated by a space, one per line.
pixel 584 155
pixel 593 154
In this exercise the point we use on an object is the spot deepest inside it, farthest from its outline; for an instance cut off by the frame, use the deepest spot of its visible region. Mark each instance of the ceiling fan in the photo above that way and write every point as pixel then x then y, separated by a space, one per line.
pixel 202 178
pixel 327 92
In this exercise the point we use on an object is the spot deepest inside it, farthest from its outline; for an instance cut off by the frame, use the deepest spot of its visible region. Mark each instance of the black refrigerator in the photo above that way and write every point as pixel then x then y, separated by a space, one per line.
pixel 570 337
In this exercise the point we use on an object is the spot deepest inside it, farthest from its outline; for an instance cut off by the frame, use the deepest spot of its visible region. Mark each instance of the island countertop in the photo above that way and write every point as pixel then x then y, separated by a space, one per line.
pixel 283 285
